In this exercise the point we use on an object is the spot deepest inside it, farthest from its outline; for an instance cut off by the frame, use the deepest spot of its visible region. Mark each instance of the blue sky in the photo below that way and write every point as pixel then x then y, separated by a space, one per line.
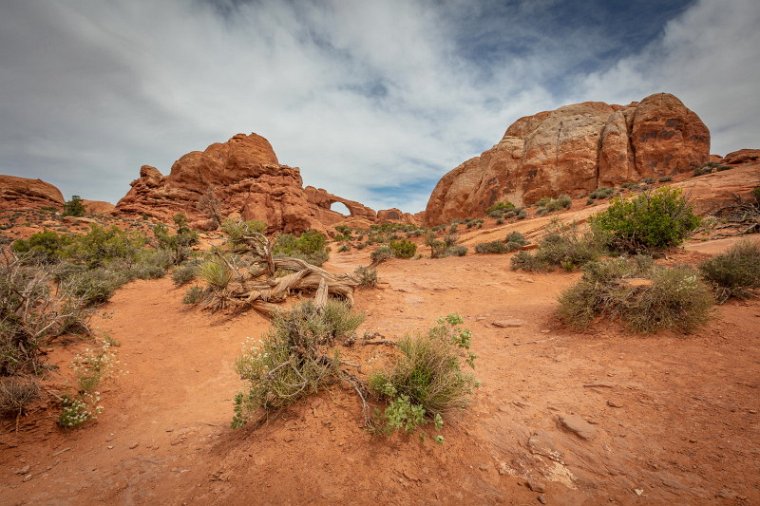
pixel 374 100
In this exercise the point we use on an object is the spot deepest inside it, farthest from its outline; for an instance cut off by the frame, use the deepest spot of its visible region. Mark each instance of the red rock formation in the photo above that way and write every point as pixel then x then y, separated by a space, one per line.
pixel 742 156
pixel 97 206
pixel 397 215
pixel 574 149
pixel 20 193
pixel 240 176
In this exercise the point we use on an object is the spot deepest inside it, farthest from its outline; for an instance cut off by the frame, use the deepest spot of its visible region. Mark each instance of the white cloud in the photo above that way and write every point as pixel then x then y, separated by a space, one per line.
pixel 360 95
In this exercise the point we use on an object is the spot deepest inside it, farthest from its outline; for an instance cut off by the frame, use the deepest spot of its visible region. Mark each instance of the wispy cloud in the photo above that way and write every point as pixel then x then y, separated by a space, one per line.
pixel 373 100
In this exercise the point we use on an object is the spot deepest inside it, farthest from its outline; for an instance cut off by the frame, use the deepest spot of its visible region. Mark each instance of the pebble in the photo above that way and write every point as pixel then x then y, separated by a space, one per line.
pixel 542 499
pixel 536 486
pixel 133 446
pixel 614 404
pixel 24 470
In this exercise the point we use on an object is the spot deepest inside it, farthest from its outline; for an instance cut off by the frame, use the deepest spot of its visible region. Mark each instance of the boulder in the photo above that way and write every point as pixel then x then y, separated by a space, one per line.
pixel 742 156
pixel 574 150
pixel 18 193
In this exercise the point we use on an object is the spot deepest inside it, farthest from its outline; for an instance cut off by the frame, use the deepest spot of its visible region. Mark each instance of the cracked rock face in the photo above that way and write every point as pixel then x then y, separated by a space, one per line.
pixel 574 149
pixel 21 193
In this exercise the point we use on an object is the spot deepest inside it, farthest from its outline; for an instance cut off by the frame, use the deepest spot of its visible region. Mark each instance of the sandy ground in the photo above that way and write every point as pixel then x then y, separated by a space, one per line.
pixel 666 419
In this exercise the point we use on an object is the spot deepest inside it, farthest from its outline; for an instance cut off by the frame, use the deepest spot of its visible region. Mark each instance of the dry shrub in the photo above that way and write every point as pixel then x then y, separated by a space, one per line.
pixel 562 246
pixel 16 394
pixel 292 360
pixel 736 273
pixel 646 301
pixel 367 276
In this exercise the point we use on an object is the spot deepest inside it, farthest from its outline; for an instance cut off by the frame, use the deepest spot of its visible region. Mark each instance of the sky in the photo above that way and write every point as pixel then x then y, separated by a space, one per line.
pixel 373 100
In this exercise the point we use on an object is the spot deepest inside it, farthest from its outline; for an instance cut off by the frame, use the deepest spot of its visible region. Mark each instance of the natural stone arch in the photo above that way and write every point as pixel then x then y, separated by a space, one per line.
pixel 341 208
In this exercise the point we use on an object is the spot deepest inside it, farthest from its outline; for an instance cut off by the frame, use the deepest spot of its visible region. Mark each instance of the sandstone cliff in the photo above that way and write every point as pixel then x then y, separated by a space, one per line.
pixel 20 193
pixel 574 149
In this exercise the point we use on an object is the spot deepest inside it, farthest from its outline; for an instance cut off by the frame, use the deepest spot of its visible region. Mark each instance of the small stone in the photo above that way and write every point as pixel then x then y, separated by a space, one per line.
pixel 24 470
pixel 110 447
pixel 28 477
pixel 577 426
pixel 511 323
pixel 753 411
pixel 484 467
pixel 504 469
pixel 614 404
pixel 536 486
pixel 638 491
pixel 542 499
pixel 133 446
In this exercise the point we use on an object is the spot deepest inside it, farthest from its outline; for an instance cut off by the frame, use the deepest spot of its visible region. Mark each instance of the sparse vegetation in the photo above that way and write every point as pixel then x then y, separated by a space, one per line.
pixel 549 205
pixel 185 273
pixel 367 276
pixel 381 254
pixel 562 246
pixel 310 246
pixel 427 381
pixel 651 221
pixel 403 249
pixel 736 273
pixel 16 394
pixel 293 360
pixel 74 207
pixel 602 193
pixel 644 300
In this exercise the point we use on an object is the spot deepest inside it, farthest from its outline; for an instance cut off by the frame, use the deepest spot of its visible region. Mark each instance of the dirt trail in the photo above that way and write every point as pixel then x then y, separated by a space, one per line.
pixel 669 418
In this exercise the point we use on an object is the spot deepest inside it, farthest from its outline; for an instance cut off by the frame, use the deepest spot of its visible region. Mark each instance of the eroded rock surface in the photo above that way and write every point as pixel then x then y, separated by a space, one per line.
pixel 574 149
pixel 22 193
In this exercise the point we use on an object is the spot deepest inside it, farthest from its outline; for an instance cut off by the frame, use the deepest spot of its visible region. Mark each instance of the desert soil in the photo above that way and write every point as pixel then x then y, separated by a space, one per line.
pixel 663 419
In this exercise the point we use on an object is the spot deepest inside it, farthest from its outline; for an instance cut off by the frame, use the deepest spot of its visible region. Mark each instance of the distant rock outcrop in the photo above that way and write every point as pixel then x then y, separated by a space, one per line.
pixel 21 193
pixel 742 156
pixel 240 176
pixel 574 149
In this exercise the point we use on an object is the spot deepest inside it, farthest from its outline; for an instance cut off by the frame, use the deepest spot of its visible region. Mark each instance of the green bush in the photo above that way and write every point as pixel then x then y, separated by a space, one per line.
pixel 736 273
pixel 549 205
pixel 43 247
pixel 237 230
pixel 74 207
pixel 103 245
pixel 216 273
pixel 179 243
pixel 310 246
pixel 456 251
pixel 601 193
pixel 669 298
pixel 562 247
pixel 403 249
pixel 501 207
pixel 292 360
pixel 184 273
pixel 650 221
pixel 427 381
pixel 194 295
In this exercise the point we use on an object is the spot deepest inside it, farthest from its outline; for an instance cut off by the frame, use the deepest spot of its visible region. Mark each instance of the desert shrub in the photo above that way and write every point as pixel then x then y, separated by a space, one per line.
pixel 78 410
pixel 216 273
pixel 310 246
pixel 16 394
pixel 149 264
pixel 735 273
pixel 403 249
pixel 31 315
pixel 367 276
pixel 237 230
pixel 665 179
pixel 562 247
pixel 651 221
pixel 492 247
pixel 549 205
pixel 669 298
pixel 184 273
pixel 756 194
pixel 601 193
pixel 292 359
pixel 427 381
pixel 648 180
pixel 43 247
pixel 381 254
pixel 456 251
pixel 194 295
pixel 74 207
pixel 94 286
pixel 501 207
pixel 102 245
pixel 179 243
pixel 344 248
